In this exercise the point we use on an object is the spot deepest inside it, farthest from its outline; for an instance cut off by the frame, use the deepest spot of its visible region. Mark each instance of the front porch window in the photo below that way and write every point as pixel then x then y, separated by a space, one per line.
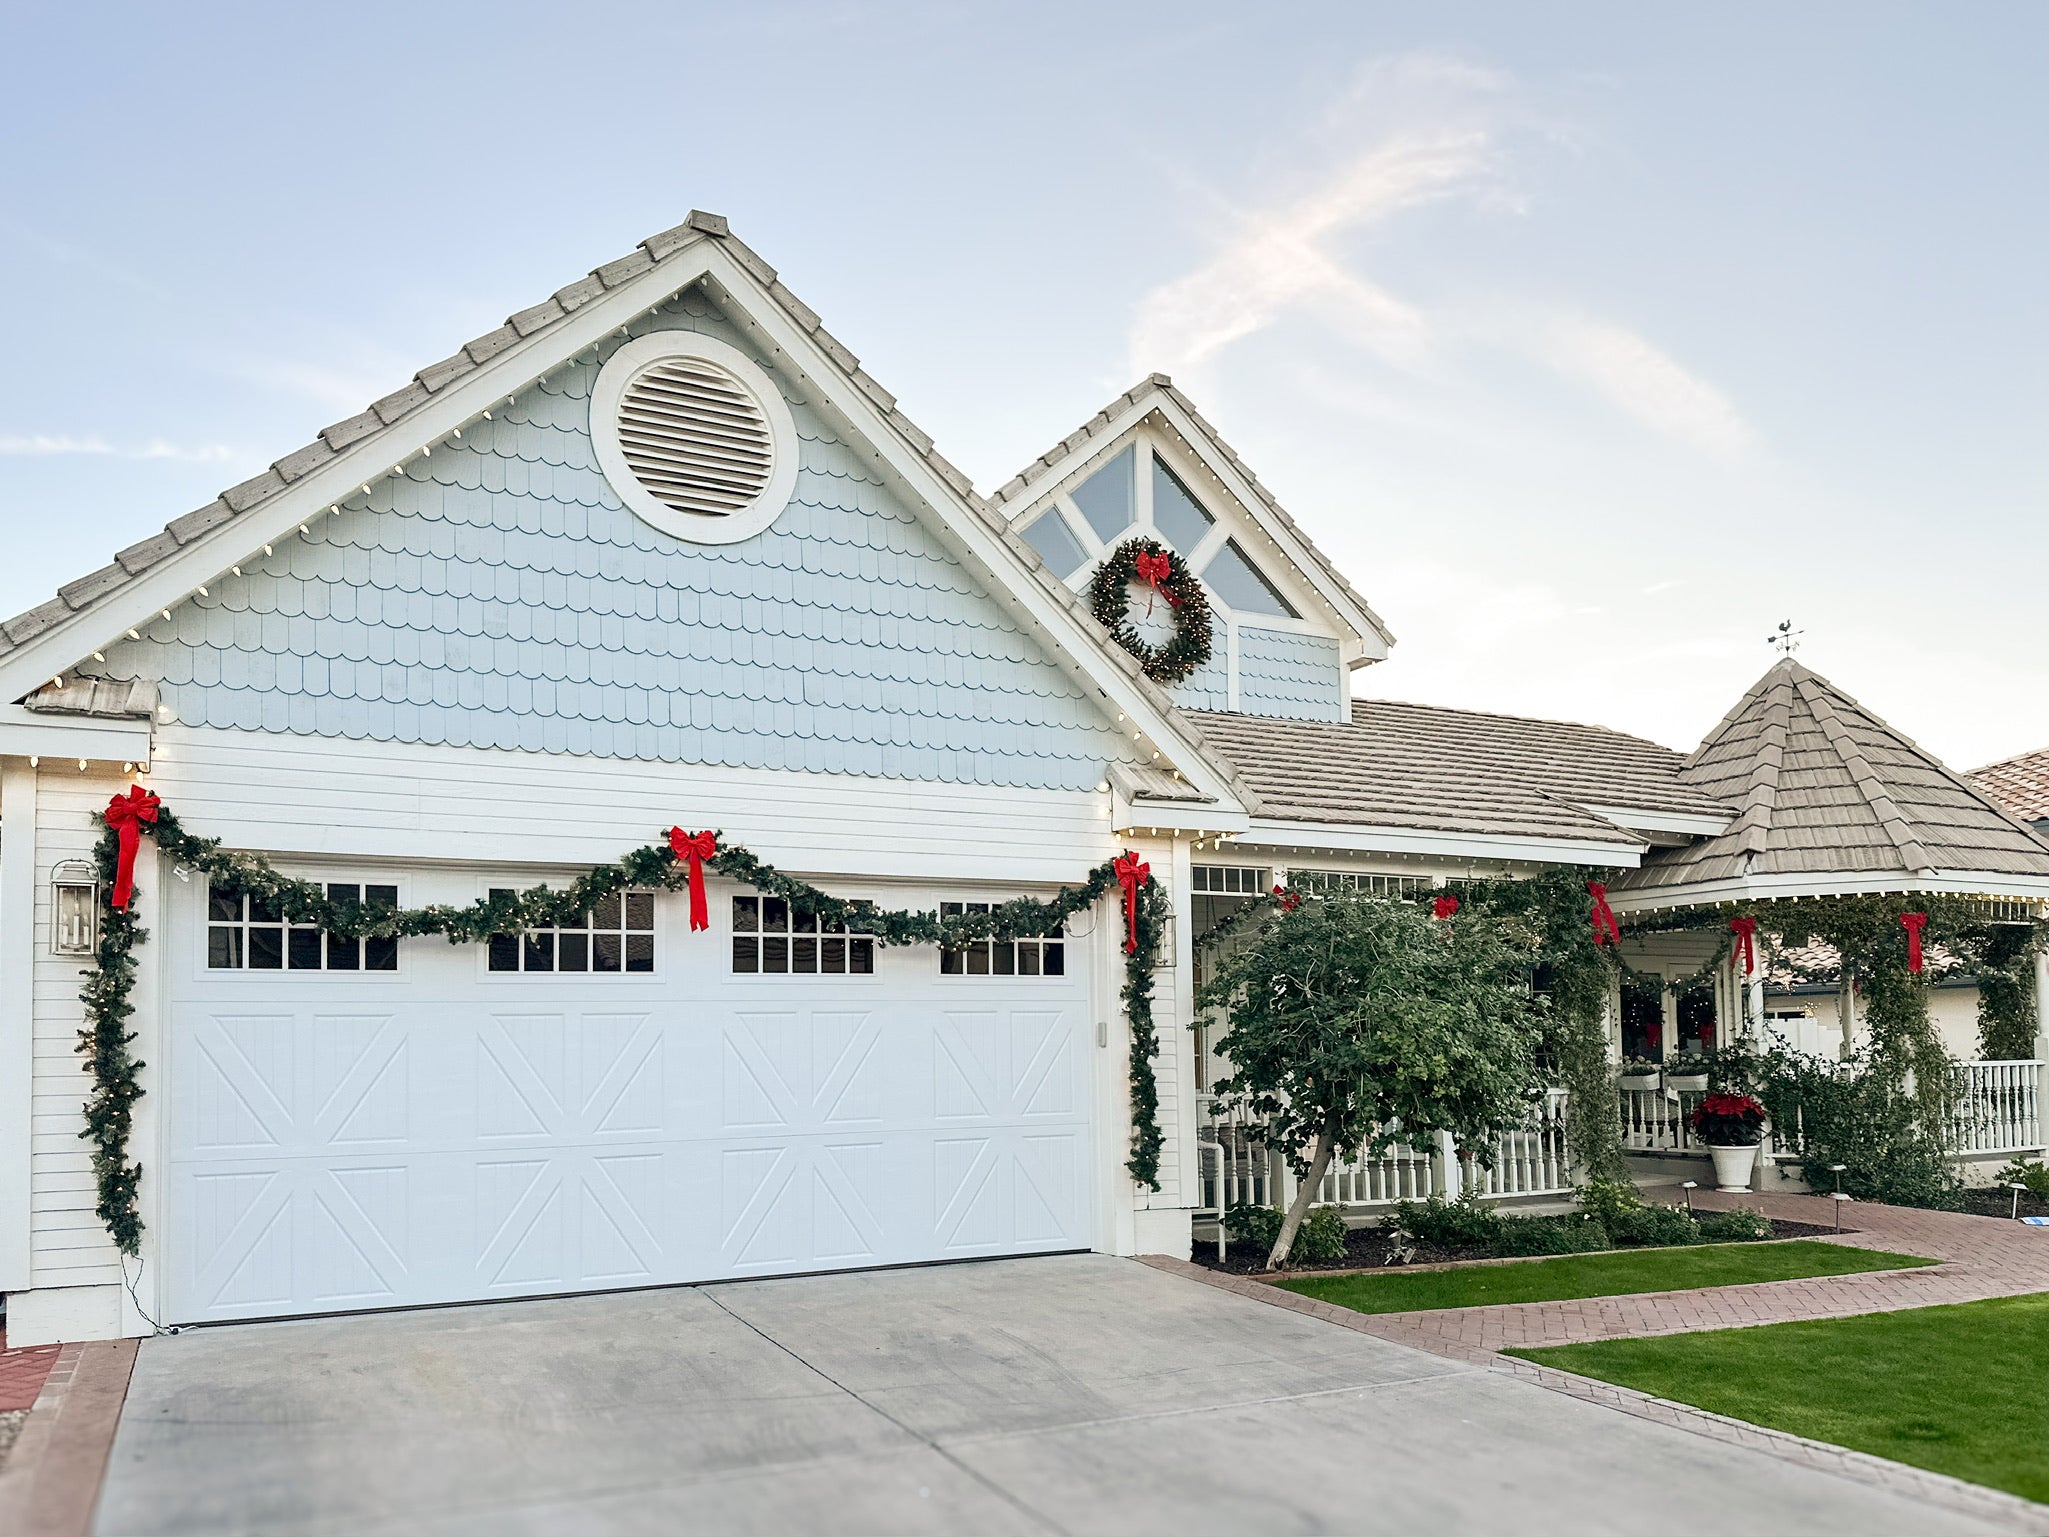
pixel 1643 1018
pixel 1697 1020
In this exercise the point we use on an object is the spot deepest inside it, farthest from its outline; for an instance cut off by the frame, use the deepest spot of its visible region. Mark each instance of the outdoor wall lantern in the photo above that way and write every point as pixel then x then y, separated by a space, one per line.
pixel 74 909
pixel 1163 958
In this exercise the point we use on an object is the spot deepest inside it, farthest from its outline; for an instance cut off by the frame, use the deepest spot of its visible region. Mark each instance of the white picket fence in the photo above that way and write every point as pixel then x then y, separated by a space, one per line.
pixel 1998 1110
pixel 1238 1167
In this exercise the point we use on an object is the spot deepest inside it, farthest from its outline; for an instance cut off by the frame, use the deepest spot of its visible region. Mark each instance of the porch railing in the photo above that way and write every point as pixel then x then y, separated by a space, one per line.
pixel 1998 1110
pixel 1238 1166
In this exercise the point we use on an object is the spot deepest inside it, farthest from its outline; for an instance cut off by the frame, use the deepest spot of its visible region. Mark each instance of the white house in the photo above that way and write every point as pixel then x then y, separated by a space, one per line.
pixel 659 552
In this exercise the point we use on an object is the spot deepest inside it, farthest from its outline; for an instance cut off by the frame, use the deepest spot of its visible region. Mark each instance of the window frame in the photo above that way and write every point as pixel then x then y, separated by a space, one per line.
pixel 658 947
pixel 247 922
pixel 961 905
pixel 736 935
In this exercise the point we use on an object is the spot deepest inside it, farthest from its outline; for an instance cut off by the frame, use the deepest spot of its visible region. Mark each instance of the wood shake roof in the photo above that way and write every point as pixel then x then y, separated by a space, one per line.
pixel 1824 787
pixel 1422 766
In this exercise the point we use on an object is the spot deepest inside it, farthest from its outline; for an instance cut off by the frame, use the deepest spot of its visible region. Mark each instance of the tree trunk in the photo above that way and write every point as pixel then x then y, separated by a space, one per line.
pixel 1305 1196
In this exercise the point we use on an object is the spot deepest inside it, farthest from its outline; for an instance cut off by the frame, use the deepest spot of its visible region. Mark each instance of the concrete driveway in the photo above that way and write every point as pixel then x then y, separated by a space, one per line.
pixel 1069 1394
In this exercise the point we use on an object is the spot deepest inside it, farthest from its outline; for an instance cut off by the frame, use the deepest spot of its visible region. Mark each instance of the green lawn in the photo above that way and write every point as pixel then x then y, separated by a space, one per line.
pixel 1595 1275
pixel 1956 1389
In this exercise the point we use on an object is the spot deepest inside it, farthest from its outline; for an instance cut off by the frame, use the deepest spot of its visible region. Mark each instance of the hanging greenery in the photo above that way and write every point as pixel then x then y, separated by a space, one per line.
pixel 1151 564
pixel 110 981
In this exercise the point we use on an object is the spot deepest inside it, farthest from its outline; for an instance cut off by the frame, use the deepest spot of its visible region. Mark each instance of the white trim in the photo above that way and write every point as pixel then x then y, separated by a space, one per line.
pixel 24 731
pixel 1764 888
pixel 617 376
pixel 1489 847
pixel 1696 823
pixel 17 1019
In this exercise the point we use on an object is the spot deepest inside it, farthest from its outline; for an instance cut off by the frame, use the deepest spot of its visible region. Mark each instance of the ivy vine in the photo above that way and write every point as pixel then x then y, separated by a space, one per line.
pixel 108 993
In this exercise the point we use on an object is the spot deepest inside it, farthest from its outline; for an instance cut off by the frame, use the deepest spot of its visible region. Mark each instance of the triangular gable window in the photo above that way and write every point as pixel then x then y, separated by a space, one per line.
pixel 1239 583
pixel 1180 518
pixel 1106 498
pixel 1056 544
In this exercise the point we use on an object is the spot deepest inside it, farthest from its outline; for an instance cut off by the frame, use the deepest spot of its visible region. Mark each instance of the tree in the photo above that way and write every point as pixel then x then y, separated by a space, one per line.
pixel 1358 1022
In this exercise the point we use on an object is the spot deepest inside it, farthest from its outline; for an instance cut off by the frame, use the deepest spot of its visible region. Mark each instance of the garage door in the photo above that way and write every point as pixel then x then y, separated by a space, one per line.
pixel 365 1126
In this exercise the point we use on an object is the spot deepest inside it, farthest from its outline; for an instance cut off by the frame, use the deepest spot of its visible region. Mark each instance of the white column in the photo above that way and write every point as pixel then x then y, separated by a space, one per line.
pixel 17 1014
pixel 2041 1006
pixel 1846 1013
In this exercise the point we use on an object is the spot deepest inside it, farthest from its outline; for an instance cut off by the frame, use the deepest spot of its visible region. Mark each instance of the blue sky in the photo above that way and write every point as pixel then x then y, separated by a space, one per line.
pixel 1591 340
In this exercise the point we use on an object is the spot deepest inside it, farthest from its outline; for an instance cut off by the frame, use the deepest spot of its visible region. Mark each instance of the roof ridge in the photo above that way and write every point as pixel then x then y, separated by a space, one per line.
pixel 1814 691
pixel 1539 720
pixel 1755 822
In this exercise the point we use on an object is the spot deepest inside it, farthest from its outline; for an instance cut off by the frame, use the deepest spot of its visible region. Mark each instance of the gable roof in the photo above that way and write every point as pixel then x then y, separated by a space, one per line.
pixel 1465 771
pixel 1830 798
pixel 2020 784
pixel 46 642
pixel 1156 397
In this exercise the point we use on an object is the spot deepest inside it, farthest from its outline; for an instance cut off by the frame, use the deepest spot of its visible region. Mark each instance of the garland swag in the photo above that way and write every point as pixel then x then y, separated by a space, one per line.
pixel 1152 564
pixel 110 981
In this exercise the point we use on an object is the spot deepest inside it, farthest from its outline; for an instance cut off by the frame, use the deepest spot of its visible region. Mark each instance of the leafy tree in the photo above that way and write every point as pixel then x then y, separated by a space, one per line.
pixel 1357 1022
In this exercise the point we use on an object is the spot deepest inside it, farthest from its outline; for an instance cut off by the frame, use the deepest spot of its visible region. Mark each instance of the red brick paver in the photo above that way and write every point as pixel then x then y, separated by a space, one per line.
pixel 22 1373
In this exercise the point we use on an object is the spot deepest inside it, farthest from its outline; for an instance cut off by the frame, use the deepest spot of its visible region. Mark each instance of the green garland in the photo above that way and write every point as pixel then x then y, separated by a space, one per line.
pixel 1110 601
pixel 110 982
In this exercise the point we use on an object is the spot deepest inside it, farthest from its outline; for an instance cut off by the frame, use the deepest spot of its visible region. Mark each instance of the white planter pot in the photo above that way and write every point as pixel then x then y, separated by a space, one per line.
pixel 1733 1167
pixel 1640 1083
pixel 1686 1083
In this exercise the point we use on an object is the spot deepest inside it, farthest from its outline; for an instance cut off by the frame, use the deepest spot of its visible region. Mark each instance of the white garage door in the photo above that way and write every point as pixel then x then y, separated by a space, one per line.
pixel 353 1128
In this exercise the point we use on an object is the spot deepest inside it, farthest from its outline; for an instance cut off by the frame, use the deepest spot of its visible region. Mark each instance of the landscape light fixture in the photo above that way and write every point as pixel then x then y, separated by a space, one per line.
pixel 1837 1170
pixel 1838 1197
pixel 1689 1187
pixel 2016 1187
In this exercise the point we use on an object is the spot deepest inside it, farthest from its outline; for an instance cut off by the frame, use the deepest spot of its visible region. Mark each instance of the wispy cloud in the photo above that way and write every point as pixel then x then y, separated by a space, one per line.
pixel 1433 130
pixel 40 445
pixel 1639 379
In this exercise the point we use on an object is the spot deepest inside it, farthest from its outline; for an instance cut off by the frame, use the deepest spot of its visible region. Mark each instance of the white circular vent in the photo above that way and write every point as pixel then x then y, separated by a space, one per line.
pixel 694 437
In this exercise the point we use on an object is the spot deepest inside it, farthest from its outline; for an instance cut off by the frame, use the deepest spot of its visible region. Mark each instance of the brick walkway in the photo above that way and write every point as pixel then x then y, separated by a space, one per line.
pixel 22 1373
pixel 1981 1257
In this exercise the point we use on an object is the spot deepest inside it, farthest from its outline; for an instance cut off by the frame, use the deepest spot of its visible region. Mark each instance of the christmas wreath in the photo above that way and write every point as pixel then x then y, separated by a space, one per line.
pixel 1150 564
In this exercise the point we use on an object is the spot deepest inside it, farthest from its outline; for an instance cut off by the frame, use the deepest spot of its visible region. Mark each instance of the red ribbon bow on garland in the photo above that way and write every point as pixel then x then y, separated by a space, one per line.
pixel 1744 929
pixel 1442 908
pixel 1913 923
pixel 1289 900
pixel 1153 570
pixel 1605 930
pixel 126 814
pixel 1132 873
pixel 697 848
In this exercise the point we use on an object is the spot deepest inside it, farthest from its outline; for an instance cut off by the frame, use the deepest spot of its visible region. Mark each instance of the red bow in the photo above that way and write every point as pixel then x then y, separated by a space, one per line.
pixel 697 848
pixel 1743 929
pixel 1289 900
pixel 1912 923
pixel 1605 930
pixel 1153 570
pixel 1132 873
pixel 1443 907
pixel 126 814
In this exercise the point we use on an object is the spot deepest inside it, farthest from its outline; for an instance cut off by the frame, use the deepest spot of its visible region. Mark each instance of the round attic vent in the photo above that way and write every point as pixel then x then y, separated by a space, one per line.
pixel 694 437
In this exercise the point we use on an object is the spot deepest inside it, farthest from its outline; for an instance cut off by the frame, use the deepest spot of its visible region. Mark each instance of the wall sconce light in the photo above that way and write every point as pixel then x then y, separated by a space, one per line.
pixel 1163 958
pixel 74 909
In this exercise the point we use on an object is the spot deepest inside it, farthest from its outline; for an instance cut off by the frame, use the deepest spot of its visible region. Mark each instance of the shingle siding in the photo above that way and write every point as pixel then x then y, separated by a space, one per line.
pixel 1282 673
pixel 499 595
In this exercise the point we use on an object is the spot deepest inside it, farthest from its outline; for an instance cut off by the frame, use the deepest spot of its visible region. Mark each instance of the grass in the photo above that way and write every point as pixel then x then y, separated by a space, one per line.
pixel 1596 1275
pixel 1955 1389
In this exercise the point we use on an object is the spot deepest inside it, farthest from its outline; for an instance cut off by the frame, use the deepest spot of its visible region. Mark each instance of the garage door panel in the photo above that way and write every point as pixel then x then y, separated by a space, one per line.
pixel 425 1141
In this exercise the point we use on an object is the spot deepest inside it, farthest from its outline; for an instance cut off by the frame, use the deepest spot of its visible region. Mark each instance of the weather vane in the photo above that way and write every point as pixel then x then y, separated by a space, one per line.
pixel 1785 637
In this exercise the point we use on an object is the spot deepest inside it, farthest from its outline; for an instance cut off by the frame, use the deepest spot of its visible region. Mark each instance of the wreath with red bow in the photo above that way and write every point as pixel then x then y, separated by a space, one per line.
pixel 1151 565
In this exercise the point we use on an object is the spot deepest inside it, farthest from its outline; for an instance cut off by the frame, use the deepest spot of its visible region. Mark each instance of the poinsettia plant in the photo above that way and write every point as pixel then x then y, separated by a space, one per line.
pixel 1728 1120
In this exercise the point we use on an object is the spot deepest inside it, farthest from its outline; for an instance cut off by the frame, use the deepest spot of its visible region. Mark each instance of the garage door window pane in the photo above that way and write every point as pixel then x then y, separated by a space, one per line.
pixel 770 938
pixel 245 932
pixel 1040 957
pixel 617 936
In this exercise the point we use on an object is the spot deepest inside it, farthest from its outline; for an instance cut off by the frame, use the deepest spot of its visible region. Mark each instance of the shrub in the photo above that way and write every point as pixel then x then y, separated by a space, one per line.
pixel 1608 1201
pixel 1853 1114
pixel 1319 1240
pixel 2022 1171
pixel 1549 1235
pixel 1740 1225
pixel 1461 1224
pixel 1654 1227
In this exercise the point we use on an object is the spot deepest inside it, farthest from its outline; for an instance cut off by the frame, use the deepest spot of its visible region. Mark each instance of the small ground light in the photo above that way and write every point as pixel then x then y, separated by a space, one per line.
pixel 1689 1187
pixel 1838 1197
pixel 2016 1187
pixel 1837 1170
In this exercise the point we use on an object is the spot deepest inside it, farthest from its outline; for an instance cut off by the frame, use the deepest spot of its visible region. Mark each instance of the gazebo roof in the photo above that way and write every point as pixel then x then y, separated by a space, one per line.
pixel 1832 800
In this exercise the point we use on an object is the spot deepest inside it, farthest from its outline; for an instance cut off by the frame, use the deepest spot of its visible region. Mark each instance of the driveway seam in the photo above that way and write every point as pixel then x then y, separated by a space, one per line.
pixel 919 1436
